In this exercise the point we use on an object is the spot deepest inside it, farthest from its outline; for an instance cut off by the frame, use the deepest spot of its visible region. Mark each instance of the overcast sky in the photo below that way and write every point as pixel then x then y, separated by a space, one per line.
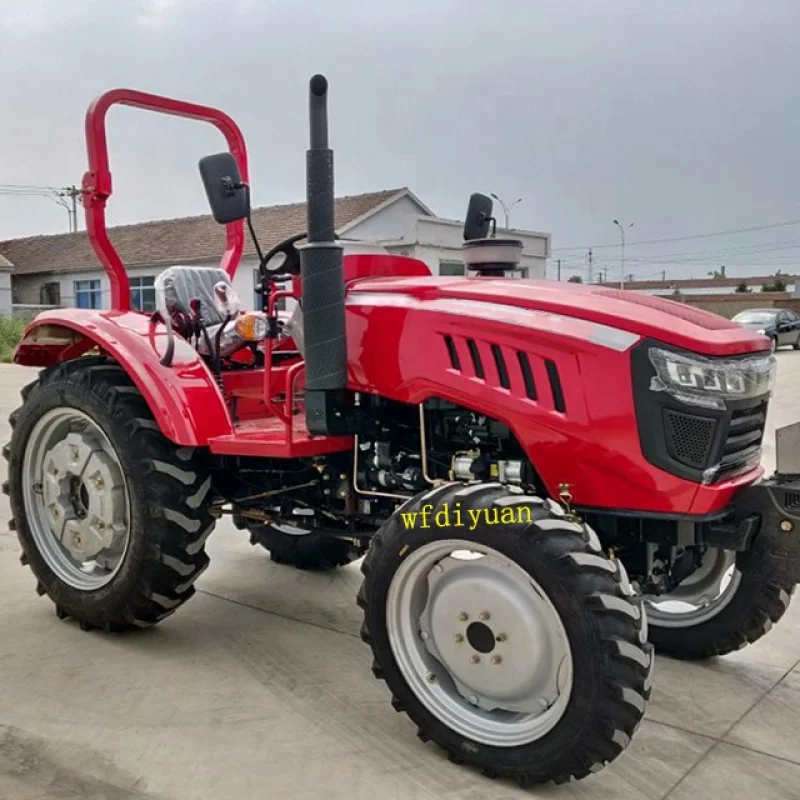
pixel 680 116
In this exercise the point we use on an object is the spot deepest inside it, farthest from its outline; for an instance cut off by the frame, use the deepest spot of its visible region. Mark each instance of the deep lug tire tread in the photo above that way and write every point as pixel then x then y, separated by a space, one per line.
pixel 312 551
pixel 170 500
pixel 757 605
pixel 621 680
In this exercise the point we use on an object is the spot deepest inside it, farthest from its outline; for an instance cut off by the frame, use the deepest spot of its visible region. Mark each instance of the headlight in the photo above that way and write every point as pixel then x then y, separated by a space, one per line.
pixel 709 382
pixel 763 333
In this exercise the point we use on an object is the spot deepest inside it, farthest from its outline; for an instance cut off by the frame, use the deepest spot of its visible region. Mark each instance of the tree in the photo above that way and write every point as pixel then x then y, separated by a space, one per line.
pixel 778 285
pixel 718 274
pixel 575 279
pixel 743 288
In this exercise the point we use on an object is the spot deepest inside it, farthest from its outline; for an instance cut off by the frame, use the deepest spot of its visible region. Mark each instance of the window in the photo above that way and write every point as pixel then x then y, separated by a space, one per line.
pixel 451 268
pixel 88 294
pixel 143 294
pixel 50 293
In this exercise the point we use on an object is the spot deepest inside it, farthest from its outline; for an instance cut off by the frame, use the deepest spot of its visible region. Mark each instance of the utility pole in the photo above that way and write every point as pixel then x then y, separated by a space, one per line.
pixel 73 193
pixel 663 276
pixel 622 258
pixel 559 268
pixel 591 274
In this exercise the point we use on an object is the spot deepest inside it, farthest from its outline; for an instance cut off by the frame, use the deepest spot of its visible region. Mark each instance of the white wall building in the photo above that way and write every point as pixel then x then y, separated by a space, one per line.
pixel 63 270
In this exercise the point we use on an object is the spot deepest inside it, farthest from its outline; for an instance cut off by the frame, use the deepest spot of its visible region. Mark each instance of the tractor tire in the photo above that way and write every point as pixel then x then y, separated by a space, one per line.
pixel 740 614
pixel 86 457
pixel 528 660
pixel 310 551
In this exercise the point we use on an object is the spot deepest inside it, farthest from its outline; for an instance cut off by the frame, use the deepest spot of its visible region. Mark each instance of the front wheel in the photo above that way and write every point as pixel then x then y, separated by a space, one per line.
pixel 715 610
pixel 304 549
pixel 505 633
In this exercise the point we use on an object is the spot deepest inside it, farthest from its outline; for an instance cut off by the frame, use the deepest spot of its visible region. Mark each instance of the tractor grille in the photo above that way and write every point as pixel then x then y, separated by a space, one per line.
pixel 743 443
pixel 689 437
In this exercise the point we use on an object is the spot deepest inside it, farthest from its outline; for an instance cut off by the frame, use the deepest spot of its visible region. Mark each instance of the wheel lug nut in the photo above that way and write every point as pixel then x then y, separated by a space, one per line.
pixel 463 616
pixel 484 615
pixel 475 660
pixel 431 678
pixel 425 635
pixel 458 638
pixel 497 659
pixel 473 700
pixel 99 483
pixel 501 637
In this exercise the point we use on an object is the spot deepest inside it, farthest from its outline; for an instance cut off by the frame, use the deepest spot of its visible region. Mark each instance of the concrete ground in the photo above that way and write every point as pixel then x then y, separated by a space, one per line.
pixel 261 688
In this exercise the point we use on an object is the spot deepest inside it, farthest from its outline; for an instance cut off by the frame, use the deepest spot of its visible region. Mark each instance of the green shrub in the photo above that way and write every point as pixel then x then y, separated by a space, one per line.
pixel 10 333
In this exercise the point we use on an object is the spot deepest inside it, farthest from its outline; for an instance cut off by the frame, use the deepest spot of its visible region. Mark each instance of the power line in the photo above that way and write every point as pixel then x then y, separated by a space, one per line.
pixel 731 232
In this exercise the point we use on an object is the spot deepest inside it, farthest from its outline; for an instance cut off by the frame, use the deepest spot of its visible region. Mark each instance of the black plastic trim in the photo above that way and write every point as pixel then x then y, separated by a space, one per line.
pixel 527 375
pixel 455 361
pixel 500 363
pixel 476 358
pixel 555 385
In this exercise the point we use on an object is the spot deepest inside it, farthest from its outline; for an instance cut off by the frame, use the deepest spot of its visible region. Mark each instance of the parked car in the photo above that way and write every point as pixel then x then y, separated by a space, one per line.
pixel 781 325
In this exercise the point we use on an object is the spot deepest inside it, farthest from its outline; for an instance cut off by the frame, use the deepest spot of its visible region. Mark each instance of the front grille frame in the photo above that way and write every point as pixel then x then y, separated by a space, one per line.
pixel 733 435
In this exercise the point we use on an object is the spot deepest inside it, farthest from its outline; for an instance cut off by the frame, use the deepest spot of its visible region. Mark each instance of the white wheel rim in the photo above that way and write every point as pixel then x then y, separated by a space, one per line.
pixel 701 596
pixel 76 499
pixel 479 643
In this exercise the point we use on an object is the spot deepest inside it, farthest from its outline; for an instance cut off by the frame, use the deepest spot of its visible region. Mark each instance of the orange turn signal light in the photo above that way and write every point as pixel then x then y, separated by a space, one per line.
pixel 252 326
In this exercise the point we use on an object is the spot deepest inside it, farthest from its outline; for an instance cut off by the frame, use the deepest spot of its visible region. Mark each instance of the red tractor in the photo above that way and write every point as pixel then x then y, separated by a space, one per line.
pixel 498 448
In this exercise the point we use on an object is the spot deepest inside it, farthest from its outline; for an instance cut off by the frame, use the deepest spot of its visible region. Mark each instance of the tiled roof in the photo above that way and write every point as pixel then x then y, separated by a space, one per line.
pixel 174 241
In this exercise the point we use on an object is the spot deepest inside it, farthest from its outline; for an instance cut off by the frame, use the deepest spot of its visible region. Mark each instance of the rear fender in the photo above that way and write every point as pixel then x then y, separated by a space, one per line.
pixel 184 398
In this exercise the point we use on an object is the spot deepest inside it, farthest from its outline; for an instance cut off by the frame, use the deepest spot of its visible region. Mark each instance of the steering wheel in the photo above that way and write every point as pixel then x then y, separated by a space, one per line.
pixel 289 264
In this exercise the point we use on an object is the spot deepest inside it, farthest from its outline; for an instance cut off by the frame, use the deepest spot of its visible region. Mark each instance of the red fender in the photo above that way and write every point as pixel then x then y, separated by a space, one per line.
pixel 184 397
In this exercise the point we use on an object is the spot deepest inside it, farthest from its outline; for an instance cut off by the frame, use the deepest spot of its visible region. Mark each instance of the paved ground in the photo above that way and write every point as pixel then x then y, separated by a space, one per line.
pixel 261 688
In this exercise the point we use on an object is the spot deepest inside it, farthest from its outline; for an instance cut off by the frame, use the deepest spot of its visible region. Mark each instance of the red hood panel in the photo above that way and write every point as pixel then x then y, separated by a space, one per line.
pixel 652 317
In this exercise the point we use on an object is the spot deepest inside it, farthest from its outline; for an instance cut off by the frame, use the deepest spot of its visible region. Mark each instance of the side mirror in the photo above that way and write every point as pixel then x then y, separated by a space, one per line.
pixel 228 197
pixel 479 217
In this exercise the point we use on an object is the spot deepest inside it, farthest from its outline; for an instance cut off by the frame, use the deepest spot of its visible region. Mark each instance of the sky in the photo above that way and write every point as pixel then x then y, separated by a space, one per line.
pixel 678 116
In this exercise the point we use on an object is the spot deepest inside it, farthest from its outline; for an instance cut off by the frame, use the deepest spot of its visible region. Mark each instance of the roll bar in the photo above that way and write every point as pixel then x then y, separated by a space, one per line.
pixel 97 189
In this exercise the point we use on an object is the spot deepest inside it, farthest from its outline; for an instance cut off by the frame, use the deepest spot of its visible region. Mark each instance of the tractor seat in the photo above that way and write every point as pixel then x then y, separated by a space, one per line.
pixel 177 287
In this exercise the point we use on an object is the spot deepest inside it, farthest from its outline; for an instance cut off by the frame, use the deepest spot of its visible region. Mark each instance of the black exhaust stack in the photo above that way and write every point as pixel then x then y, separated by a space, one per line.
pixel 326 395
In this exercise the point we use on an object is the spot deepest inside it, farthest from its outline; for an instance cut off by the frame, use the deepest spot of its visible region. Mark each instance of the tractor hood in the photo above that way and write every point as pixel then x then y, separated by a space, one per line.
pixel 617 311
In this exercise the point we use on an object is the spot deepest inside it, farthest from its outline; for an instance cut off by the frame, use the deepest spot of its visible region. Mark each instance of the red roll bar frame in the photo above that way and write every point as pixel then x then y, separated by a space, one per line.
pixel 97 189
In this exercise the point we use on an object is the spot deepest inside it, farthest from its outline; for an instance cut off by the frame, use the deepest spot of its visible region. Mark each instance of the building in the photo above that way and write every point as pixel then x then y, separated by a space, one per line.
pixel 62 269
pixel 706 286
pixel 5 286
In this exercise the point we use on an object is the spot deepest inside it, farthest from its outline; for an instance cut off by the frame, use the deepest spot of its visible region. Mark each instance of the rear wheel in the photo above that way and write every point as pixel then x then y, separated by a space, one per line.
pixel 111 516
pixel 716 610
pixel 518 646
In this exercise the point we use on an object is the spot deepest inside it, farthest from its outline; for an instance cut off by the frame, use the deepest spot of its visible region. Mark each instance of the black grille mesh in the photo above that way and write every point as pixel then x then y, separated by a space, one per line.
pixel 689 438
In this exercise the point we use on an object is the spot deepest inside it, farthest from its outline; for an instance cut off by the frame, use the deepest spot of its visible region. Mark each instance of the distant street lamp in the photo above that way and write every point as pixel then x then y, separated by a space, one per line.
pixel 622 258
pixel 506 208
